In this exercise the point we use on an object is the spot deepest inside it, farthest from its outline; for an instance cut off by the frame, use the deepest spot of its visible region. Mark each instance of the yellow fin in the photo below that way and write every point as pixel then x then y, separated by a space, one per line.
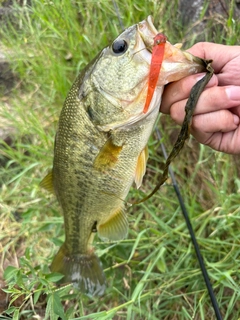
pixel 83 270
pixel 115 228
pixel 141 167
pixel 108 156
pixel 47 183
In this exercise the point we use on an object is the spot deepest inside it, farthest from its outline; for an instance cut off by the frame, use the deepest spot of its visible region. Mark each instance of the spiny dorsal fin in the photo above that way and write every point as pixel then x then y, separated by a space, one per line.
pixel 47 183
pixel 115 228
pixel 141 167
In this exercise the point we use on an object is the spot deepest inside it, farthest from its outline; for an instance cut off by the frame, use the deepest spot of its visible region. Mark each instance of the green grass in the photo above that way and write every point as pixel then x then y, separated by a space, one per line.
pixel 153 274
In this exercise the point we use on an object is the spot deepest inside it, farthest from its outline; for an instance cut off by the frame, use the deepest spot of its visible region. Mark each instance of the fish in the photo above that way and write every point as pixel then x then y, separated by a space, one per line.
pixel 100 146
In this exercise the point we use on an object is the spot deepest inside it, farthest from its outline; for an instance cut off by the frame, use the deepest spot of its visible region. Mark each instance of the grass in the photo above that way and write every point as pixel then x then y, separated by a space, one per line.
pixel 153 274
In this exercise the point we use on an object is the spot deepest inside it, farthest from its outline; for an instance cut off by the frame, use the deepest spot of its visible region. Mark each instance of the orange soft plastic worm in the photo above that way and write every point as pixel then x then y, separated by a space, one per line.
pixel 156 62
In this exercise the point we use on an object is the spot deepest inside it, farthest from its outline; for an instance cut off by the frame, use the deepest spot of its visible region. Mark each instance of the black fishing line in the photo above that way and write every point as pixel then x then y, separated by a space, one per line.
pixel 192 234
pixel 118 14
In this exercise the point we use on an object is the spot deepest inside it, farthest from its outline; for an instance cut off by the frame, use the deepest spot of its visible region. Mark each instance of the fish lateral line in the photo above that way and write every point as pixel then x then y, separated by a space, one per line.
pixel 155 67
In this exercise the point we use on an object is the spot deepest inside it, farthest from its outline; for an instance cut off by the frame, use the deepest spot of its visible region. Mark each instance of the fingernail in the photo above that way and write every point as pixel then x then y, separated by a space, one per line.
pixel 200 76
pixel 233 93
pixel 235 119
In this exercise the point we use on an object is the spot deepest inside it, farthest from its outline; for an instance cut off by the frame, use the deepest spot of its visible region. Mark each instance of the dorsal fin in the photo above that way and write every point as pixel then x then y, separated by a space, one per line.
pixel 47 183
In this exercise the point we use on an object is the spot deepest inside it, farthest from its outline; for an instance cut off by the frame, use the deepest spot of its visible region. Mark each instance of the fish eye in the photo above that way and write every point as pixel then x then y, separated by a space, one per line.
pixel 119 46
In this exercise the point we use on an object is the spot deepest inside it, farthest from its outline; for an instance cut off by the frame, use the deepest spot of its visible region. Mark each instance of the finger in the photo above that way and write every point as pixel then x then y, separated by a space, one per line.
pixel 220 54
pixel 218 121
pixel 180 90
pixel 211 99
pixel 215 129
pixel 227 142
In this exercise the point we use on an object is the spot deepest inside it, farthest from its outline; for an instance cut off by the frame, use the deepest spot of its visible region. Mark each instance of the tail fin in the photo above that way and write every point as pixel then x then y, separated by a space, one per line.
pixel 83 270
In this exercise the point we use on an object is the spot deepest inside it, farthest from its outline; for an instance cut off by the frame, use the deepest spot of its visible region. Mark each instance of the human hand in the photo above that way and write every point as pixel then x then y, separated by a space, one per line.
pixel 216 120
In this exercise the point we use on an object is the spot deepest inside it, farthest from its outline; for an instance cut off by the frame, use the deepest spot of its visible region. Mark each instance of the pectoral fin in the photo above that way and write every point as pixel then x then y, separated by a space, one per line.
pixel 141 167
pixel 116 228
pixel 108 156
pixel 47 183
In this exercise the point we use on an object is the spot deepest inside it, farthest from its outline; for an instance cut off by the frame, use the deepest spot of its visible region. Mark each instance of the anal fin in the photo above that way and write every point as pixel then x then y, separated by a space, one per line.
pixel 141 167
pixel 115 228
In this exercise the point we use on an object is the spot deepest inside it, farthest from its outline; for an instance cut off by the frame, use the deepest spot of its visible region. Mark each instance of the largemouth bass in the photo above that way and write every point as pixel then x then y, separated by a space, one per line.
pixel 101 146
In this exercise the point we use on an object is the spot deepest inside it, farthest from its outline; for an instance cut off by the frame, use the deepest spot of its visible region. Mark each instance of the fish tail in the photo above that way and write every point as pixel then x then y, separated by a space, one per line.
pixel 83 270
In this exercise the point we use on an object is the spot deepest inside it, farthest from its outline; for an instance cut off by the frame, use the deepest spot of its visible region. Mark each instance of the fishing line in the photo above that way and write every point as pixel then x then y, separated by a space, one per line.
pixel 118 14
pixel 192 234
pixel 183 135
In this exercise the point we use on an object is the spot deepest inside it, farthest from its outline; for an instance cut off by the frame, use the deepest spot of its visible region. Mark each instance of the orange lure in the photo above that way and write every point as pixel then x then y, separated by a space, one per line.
pixel 156 62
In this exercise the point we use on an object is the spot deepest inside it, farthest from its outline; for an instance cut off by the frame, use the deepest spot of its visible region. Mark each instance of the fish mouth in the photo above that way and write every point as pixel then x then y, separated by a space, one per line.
pixel 147 32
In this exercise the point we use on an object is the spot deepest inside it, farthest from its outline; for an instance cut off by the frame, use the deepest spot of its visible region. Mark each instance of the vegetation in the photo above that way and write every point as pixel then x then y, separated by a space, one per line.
pixel 153 274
